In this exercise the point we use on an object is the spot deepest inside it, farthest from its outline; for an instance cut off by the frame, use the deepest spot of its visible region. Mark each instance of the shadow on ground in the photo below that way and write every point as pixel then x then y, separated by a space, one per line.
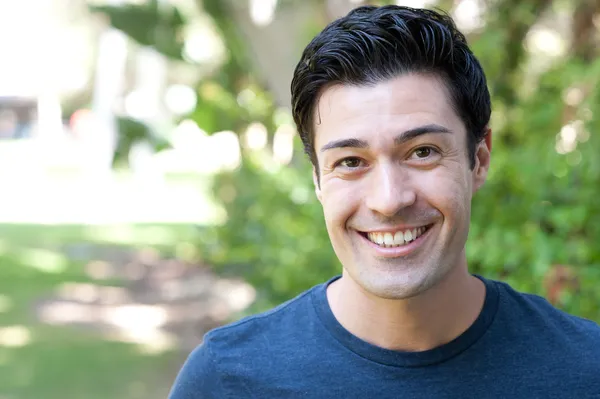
pixel 86 313
pixel 158 303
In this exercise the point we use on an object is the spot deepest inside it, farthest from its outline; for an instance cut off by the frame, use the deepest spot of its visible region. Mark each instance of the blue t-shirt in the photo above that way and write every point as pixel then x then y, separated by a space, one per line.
pixel 519 347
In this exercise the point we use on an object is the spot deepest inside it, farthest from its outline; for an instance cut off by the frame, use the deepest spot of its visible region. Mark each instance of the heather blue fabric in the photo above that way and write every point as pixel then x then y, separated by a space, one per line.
pixel 519 347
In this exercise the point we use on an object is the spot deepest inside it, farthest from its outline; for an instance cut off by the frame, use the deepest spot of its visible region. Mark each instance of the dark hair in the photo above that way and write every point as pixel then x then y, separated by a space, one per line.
pixel 373 44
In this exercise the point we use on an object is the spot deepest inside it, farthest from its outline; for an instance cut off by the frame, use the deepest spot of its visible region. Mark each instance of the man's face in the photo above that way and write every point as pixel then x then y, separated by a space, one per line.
pixel 395 182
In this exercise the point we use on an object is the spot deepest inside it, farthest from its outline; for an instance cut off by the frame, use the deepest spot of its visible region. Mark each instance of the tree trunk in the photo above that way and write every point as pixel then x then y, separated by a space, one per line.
pixel 584 40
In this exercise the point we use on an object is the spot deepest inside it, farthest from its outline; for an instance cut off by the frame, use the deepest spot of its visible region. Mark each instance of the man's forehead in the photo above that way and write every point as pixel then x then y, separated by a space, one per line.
pixel 398 104
pixel 405 93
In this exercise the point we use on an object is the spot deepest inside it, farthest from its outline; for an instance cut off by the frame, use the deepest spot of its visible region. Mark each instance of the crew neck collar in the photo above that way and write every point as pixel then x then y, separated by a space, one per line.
pixel 400 358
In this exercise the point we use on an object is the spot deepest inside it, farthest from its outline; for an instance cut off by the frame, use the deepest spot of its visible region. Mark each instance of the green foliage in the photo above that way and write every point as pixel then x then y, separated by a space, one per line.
pixel 149 25
pixel 221 109
pixel 275 236
pixel 132 131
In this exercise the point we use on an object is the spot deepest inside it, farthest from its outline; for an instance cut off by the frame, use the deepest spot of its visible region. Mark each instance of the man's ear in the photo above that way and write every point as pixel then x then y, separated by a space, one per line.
pixel 317 183
pixel 482 160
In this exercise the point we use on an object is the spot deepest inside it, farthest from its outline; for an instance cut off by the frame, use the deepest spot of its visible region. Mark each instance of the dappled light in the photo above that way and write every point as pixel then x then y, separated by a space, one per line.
pixel 569 137
pixel 180 99
pixel 573 96
pixel 160 301
pixel 66 313
pixel 203 45
pixel 131 235
pixel 283 144
pixel 468 15
pixel 43 259
pixel 262 11
pixel 546 42
pixel 156 300
pixel 411 3
pixel 100 270
pixel 15 336
pixel 255 137
pixel 225 152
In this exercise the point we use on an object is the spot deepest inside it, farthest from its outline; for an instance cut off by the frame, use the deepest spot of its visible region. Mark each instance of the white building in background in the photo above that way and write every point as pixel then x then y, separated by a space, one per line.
pixel 46 48
pixel 52 51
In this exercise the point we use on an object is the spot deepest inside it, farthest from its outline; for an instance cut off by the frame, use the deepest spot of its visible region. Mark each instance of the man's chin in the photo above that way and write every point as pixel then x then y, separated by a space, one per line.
pixel 396 284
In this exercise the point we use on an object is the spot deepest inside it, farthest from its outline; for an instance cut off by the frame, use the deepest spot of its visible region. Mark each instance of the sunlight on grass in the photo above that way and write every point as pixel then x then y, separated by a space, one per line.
pixel 15 336
pixel 132 323
pixel 156 236
pixel 100 270
pixel 154 342
pixel 44 260
pixel 134 235
pixel 83 292
pixel 65 313
pixel 56 318
pixel 118 234
pixel 87 293
pixel 137 318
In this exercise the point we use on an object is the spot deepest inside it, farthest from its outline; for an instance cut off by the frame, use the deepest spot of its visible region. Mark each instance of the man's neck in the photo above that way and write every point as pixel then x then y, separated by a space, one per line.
pixel 417 324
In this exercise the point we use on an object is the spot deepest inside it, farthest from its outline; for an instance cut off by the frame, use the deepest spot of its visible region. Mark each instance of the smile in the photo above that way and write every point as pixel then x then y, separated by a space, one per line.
pixel 396 238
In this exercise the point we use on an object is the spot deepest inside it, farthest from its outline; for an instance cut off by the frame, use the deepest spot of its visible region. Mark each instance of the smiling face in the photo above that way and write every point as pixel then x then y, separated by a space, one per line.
pixel 395 182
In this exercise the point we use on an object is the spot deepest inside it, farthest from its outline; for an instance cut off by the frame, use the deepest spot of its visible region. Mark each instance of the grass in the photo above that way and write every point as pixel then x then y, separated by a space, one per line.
pixel 39 361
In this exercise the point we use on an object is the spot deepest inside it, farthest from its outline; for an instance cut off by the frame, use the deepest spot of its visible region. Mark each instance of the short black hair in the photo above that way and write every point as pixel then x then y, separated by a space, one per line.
pixel 373 44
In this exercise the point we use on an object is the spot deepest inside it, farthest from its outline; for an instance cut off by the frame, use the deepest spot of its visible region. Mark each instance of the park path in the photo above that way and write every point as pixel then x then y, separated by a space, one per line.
pixel 141 297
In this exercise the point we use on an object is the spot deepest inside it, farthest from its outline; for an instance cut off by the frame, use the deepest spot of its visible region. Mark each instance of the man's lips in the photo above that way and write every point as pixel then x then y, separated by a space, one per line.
pixel 387 245
pixel 395 236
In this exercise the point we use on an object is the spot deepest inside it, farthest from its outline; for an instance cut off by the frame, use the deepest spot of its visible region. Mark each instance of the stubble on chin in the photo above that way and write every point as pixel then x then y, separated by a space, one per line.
pixel 389 278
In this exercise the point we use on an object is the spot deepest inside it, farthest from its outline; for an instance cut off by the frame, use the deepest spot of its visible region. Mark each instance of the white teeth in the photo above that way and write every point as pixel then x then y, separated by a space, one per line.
pixel 399 238
pixel 387 239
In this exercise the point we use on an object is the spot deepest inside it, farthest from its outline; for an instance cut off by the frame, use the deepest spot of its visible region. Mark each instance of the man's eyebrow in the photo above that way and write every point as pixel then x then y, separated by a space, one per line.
pixel 355 143
pixel 400 139
pixel 419 131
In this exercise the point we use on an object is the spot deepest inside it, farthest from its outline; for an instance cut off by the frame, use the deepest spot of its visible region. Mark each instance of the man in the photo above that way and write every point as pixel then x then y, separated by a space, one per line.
pixel 393 110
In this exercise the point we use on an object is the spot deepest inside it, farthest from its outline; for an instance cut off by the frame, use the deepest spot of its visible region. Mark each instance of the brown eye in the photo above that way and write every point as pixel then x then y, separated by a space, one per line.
pixel 423 152
pixel 351 162
pixel 426 155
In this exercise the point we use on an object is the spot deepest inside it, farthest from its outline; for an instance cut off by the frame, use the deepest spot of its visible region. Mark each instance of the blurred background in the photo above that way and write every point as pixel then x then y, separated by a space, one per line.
pixel 154 187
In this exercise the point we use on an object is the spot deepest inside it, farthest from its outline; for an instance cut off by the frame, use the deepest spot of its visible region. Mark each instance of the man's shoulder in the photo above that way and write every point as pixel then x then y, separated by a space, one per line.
pixel 530 333
pixel 264 330
pixel 238 350
pixel 538 314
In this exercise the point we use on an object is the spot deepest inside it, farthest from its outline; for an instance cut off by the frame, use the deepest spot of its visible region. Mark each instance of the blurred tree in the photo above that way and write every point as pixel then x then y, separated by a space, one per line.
pixel 132 131
pixel 149 24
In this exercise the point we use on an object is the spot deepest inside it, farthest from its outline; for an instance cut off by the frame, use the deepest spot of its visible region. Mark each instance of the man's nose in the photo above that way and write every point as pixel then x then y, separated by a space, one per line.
pixel 390 190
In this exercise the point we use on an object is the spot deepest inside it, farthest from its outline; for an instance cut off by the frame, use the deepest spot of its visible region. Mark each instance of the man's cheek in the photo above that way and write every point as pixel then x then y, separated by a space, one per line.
pixel 444 187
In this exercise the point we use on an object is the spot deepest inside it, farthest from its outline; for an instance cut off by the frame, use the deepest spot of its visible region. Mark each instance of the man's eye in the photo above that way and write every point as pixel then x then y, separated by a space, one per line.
pixel 424 152
pixel 350 162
